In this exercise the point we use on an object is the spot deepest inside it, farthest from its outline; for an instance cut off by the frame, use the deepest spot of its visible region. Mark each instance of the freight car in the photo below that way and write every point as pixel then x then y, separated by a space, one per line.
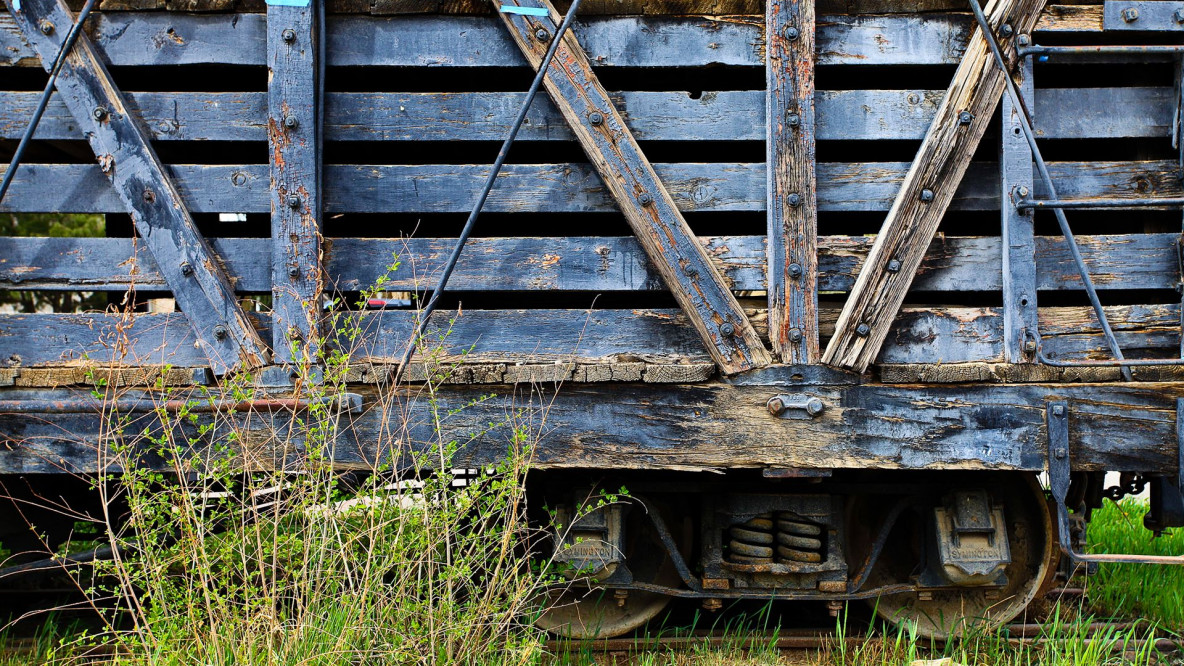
pixel 806 272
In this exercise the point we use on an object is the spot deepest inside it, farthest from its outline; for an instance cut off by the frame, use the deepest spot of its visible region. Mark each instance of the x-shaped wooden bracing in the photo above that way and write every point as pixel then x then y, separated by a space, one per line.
pixel 648 207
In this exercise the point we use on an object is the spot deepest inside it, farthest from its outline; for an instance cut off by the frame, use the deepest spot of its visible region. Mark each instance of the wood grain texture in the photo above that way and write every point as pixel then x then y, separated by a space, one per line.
pixel 297 278
pixel 640 194
pixel 592 264
pixel 564 188
pixel 130 168
pixel 696 427
pixel 926 192
pixel 156 38
pixel 792 200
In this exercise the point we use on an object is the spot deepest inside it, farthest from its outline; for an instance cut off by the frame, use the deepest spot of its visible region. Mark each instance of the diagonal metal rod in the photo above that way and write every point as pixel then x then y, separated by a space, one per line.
pixel 31 128
pixel 426 313
pixel 1018 100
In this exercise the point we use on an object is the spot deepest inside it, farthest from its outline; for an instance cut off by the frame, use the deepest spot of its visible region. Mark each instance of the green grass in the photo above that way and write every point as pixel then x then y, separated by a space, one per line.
pixel 1136 591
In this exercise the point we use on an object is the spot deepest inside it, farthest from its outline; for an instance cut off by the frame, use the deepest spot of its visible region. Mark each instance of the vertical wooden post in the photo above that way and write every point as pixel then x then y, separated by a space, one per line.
pixel 297 276
pixel 1019 243
pixel 1178 136
pixel 792 204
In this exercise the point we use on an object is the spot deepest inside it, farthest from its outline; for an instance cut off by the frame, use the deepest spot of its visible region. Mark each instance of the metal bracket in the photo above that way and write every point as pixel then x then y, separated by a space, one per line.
pixel 1143 15
pixel 1056 415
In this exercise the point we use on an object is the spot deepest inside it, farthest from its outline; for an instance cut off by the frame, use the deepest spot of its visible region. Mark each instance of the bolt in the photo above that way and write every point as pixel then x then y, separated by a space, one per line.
pixel 294 202
pixel 727 329
pixel 290 122
pixel 1179 15
pixel 1130 15
pixel 1030 346
pixel 712 605
pixel 1058 410
pixel 862 330
pixel 220 332
pixel 621 596
pixel 894 266
pixel 149 196
pixel 186 269
pixel 1006 30
pixel 288 35
pixel 542 35
pixel 792 33
pixel 794 200
pixel 965 117
pixel 596 118
pixel 814 406
pixel 645 199
pixel 1024 39
pixel 98 113
pixel 690 270
pixel 1060 453
pixel 924 595
pixel 46 27
pixel 1022 191
pixel 293 272
pixel 794 120
pixel 795 335
pixel 795 271
pixel 776 406
pixel 926 195
pixel 834 608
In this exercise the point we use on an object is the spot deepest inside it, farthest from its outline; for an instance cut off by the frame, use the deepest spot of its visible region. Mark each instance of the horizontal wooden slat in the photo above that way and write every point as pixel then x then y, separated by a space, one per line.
pixel 239 39
pixel 920 335
pixel 1061 113
pixel 600 264
pixel 555 188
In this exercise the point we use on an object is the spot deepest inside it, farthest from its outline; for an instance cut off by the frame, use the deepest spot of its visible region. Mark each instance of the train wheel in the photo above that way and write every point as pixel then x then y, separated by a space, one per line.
pixel 943 613
pixel 585 610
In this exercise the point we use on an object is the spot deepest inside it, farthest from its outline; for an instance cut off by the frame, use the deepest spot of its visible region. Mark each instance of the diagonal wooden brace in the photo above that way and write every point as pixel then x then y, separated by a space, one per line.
pixel 648 207
pixel 163 223
pixel 928 188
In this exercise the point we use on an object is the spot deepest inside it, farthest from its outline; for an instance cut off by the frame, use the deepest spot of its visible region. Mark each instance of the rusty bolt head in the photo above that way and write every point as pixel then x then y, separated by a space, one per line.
pixel 293 272
pixel 965 117
pixel 712 605
pixel 1006 30
pixel 776 406
pixel 795 271
pixel 814 406
pixel 46 27
pixel 894 266
pixel 1130 15
pixel 186 268
pixel 149 196
pixel 596 118
pixel 290 122
pixel 98 113
pixel 792 33
pixel 645 199
pixel 794 199
pixel 293 202
pixel 927 195
pixel 288 35
pixel 220 332
pixel 1030 346
pixel 727 329
pixel 1022 191
pixel 863 330
pixel 1024 39
pixel 542 35
pixel 795 335
pixel 793 120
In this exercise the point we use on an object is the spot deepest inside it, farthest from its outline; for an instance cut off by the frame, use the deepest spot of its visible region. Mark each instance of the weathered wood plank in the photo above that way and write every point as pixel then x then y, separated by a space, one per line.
pixel 734 115
pixel 1019 244
pixel 792 191
pixel 708 427
pixel 559 188
pixel 927 191
pixel 920 335
pixel 297 281
pixel 447 41
pixel 636 188
pixel 144 190
pixel 598 264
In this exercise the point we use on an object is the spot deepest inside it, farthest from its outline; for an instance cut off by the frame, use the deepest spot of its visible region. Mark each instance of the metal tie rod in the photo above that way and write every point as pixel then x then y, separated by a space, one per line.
pixel 1052 204
pixel 1018 100
pixel 1123 49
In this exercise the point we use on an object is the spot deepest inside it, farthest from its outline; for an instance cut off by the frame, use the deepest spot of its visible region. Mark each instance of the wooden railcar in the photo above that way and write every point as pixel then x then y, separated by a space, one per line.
pixel 793 278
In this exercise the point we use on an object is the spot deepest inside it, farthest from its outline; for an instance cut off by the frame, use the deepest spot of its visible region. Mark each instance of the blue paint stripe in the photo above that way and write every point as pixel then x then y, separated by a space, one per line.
pixel 525 11
pixel 288 3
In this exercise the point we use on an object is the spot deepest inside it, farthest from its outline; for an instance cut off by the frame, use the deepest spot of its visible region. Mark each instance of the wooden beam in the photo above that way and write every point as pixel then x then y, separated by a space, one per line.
pixel 297 278
pixel 145 191
pixel 792 202
pixel 927 191
pixel 1019 242
pixel 650 210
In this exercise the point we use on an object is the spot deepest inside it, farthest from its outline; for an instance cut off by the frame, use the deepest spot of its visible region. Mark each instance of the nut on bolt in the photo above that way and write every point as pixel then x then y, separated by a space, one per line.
pixel 793 120
pixel 1058 410
pixel 727 329
pixel 186 268
pixel 99 112
pixel 794 199
pixel 1006 30
pixel 926 195
pixel 46 27
pixel 293 272
pixel 894 266
pixel 863 330
pixel 965 117
pixel 645 198
pixel 220 332
pixel 290 122
pixel 542 35
pixel 288 35
pixel 1130 14
pixel 596 118
pixel 795 335
pixel 795 270
pixel 1178 17
pixel 293 202
pixel 776 405
pixel 792 33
